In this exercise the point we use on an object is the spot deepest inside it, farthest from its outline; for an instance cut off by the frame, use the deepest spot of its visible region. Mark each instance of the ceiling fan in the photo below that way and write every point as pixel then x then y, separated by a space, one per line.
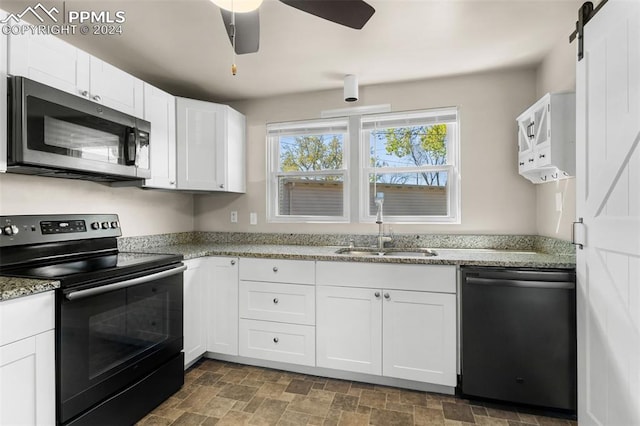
pixel 243 24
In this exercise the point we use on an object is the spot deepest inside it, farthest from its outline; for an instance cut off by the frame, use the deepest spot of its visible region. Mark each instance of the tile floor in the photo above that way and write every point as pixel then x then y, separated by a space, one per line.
pixel 222 393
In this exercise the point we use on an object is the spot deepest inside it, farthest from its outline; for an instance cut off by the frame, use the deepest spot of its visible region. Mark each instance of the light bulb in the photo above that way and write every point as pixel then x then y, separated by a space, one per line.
pixel 238 6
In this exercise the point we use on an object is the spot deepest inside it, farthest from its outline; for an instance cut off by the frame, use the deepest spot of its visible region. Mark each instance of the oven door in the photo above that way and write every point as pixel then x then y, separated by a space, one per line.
pixel 52 128
pixel 112 335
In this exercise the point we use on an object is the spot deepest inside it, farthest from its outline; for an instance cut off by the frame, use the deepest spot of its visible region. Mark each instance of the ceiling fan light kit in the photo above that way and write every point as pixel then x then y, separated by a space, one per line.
pixel 349 13
pixel 350 88
pixel 238 6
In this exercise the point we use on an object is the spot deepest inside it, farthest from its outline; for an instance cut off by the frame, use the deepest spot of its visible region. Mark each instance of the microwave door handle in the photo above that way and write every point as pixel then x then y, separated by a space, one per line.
pixel 131 147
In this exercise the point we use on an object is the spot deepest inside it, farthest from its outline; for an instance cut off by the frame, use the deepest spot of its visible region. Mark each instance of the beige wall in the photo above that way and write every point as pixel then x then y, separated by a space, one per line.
pixel 556 73
pixel 495 199
pixel 141 212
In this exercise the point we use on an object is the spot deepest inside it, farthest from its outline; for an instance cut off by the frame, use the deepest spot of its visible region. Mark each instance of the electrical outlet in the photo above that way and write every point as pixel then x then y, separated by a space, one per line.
pixel 234 217
pixel 253 218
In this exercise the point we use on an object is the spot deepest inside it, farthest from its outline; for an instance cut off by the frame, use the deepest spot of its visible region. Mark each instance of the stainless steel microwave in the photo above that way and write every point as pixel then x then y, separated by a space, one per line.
pixel 54 133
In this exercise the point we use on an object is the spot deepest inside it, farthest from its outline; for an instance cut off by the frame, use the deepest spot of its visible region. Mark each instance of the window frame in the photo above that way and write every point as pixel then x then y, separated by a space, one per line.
pixel 356 167
pixel 274 132
pixel 452 166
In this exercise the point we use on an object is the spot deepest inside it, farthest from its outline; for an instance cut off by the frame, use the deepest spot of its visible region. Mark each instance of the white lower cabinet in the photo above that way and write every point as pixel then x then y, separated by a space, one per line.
pixel 277 310
pixel 210 307
pixel 196 277
pixel 349 329
pixel 387 330
pixel 419 336
pixel 27 361
pixel 282 342
pixel 222 306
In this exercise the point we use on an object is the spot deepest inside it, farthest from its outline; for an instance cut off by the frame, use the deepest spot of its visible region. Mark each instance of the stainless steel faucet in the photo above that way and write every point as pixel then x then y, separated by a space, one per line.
pixel 381 237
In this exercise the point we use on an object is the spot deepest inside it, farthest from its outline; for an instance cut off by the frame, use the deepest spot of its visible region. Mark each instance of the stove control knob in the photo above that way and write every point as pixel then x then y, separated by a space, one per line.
pixel 114 224
pixel 10 230
pixel 95 225
pixel 105 225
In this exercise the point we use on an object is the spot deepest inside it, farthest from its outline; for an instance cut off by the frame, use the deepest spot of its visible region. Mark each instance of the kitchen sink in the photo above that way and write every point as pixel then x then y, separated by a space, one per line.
pixel 396 252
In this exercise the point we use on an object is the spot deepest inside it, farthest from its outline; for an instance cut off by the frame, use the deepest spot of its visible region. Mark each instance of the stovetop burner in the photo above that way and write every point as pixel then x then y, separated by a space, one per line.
pixel 72 249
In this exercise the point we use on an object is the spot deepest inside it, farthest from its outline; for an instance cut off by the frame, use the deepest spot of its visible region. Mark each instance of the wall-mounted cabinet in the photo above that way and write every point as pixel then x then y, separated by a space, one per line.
pixel 160 111
pixel 53 62
pixel 547 138
pixel 3 95
pixel 211 147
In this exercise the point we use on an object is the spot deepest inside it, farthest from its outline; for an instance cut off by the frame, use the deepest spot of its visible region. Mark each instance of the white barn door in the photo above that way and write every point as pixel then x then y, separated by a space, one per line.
pixel 608 198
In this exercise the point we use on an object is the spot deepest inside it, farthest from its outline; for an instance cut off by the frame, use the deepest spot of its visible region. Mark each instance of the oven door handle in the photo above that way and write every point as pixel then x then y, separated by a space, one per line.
pixel 81 294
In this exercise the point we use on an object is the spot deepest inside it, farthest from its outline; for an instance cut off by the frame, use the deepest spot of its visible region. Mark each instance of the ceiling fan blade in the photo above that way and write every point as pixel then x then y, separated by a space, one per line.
pixel 247 31
pixel 350 13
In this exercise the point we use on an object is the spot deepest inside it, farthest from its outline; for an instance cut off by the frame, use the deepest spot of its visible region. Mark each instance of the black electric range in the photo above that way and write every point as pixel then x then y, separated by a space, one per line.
pixel 119 316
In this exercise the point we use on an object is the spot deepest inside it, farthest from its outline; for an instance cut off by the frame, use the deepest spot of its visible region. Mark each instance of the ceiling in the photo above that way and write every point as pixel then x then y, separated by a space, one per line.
pixel 182 47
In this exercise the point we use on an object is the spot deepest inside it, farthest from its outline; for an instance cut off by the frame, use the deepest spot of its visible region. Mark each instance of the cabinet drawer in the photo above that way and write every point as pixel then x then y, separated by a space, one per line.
pixel 292 303
pixel 525 161
pixel 435 278
pixel 278 342
pixel 278 270
pixel 27 316
pixel 543 156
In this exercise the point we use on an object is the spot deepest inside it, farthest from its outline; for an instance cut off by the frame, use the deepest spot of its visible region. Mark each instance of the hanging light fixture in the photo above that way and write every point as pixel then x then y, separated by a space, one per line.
pixel 350 88
pixel 238 6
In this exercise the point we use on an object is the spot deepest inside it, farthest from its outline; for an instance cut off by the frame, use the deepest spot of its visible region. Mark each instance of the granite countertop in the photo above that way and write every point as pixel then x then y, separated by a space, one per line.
pixel 11 288
pixel 445 256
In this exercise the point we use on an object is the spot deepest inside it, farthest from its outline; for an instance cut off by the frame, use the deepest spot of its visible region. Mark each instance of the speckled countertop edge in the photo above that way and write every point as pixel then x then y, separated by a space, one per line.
pixel 468 257
pixel 12 288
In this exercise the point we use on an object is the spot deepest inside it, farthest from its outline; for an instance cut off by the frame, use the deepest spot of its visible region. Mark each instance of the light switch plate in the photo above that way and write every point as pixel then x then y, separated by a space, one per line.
pixel 253 218
pixel 234 217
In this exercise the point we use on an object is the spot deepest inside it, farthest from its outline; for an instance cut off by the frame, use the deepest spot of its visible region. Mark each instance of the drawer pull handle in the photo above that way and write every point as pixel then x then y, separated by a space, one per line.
pixel 541 156
pixel 275 269
pixel 387 296
pixel 276 340
pixel 377 294
pixel 275 300
pixel 233 262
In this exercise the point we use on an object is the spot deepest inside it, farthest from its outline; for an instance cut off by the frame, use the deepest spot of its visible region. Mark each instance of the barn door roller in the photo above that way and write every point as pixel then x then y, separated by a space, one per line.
pixel 586 12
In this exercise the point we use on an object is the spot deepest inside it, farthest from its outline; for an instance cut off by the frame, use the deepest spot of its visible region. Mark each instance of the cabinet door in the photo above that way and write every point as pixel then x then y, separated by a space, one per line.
pixel 235 155
pixel 27 381
pixel 3 95
pixel 349 329
pixel 50 61
pixel 160 111
pixel 419 335
pixel 195 278
pixel 222 305
pixel 116 89
pixel 200 156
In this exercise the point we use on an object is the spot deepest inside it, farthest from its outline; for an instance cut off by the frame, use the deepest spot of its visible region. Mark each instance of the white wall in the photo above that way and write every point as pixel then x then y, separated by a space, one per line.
pixel 141 212
pixel 557 73
pixel 495 199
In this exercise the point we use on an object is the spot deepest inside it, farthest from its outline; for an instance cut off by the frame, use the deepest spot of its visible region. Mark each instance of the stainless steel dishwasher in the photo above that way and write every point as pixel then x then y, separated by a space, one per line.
pixel 519 335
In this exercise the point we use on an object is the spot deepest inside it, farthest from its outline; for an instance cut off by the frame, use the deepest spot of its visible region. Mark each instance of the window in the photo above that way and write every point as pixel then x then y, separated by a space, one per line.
pixel 308 176
pixel 409 159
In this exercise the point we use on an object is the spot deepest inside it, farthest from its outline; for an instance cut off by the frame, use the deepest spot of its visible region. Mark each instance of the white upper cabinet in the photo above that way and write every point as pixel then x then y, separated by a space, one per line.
pixel 3 95
pixel 160 111
pixel 116 89
pixel 54 62
pixel 546 138
pixel 211 146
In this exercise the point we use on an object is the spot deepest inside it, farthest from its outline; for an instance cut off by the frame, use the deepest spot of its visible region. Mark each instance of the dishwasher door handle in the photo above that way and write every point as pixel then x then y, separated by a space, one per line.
pixel 562 285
